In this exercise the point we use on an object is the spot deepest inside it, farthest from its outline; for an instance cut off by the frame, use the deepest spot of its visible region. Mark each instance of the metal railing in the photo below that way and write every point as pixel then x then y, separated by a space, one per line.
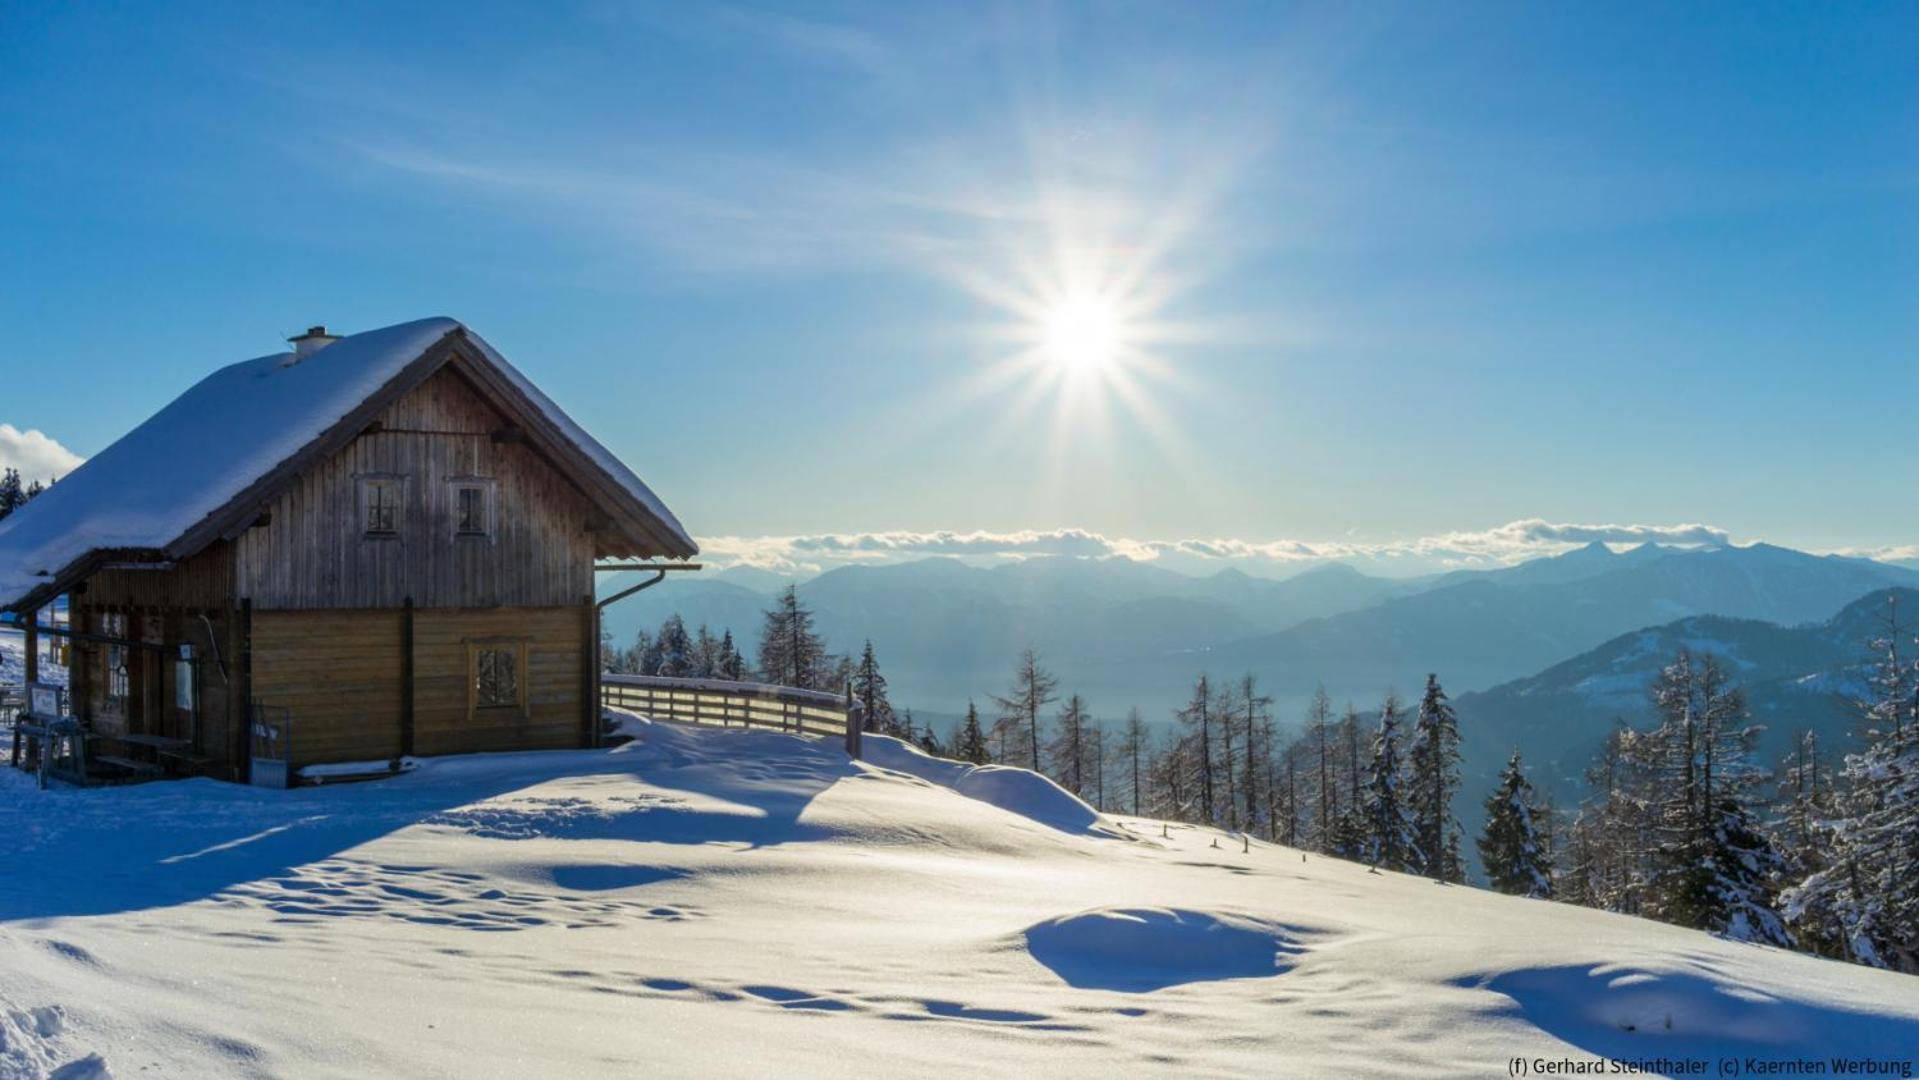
pixel 736 704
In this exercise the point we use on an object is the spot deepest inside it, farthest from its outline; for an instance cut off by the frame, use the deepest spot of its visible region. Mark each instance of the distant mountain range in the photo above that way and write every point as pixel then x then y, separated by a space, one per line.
pixel 1794 678
pixel 1126 633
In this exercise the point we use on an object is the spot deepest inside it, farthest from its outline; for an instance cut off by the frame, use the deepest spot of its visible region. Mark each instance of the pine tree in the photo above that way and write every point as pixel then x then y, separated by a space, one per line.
pixel 1866 900
pixel 1254 708
pixel 1349 764
pixel 1319 717
pixel 12 497
pixel 1135 745
pixel 1611 838
pixel 1288 830
pixel 1198 715
pixel 972 741
pixel 925 738
pixel 791 652
pixel 1802 830
pixel 1514 855
pixel 706 654
pixel 1067 749
pixel 869 689
pixel 1096 750
pixel 1433 759
pixel 1387 832
pixel 1712 868
pixel 673 649
pixel 610 657
pixel 1033 689
pixel 730 666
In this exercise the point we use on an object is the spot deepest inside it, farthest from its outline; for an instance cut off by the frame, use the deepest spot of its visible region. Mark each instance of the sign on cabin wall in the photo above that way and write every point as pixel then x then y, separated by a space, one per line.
pixel 43 700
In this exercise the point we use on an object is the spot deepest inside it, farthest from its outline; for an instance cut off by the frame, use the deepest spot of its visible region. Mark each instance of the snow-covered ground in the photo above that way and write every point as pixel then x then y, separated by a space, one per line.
pixel 708 902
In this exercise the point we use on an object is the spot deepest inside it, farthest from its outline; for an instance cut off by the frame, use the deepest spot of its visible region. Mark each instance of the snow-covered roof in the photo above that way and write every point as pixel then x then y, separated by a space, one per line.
pixel 189 461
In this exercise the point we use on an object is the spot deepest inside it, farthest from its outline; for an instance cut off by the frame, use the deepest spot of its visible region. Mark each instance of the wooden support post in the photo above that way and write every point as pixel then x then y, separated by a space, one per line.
pixel 591 691
pixel 243 744
pixel 33 647
pixel 406 678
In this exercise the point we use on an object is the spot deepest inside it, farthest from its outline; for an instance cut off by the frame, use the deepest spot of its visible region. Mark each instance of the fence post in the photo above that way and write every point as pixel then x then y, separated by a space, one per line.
pixel 855 725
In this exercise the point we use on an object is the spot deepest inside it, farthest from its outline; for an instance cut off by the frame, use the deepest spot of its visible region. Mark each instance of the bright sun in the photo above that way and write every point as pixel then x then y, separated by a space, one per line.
pixel 1082 333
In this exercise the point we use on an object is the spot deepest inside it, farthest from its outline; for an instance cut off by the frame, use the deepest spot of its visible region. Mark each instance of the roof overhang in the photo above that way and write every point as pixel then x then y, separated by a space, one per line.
pixel 631 526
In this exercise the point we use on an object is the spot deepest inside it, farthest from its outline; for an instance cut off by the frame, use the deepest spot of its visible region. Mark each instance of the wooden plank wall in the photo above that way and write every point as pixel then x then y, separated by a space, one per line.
pixel 339 673
pixel 203 582
pixel 554 677
pixel 311 552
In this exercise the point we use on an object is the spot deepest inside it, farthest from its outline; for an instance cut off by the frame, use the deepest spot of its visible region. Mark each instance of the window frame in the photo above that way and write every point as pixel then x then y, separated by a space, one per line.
pixel 520 649
pixel 116 663
pixel 489 502
pixel 364 486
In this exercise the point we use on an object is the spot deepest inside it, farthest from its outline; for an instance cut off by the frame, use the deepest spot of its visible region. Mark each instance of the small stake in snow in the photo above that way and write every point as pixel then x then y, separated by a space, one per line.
pixel 1163 834
pixel 1215 843
pixel 1245 844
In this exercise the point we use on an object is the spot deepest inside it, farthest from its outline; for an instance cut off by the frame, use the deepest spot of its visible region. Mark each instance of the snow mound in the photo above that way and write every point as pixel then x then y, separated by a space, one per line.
pixel 29 1046
pixel 1623 1011
pixel 1019 791
pixel 1142 949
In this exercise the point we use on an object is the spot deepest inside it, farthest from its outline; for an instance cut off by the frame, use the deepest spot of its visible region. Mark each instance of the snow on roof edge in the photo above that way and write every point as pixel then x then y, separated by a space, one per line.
pixel 185 462
pixel 585 443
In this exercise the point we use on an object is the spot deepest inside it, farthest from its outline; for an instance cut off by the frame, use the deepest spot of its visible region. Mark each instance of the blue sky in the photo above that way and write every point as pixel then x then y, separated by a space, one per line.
pixel 1393 276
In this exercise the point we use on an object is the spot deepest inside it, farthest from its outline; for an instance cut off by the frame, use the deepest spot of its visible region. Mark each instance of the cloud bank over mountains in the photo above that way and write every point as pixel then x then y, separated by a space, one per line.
pixel 1502 545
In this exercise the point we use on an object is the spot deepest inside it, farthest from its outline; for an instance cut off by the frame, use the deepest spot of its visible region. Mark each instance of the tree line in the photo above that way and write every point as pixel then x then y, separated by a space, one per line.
pixel 1682 823
pixel 14 494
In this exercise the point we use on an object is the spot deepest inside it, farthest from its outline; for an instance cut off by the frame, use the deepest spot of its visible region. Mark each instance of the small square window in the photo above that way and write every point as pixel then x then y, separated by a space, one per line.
pixel 381 499
pixel 471 512
pixel 497 678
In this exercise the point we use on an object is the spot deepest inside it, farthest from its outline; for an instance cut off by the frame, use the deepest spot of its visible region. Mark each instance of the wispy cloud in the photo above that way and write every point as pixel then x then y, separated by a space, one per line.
pixel 1502 545
pixel 37 455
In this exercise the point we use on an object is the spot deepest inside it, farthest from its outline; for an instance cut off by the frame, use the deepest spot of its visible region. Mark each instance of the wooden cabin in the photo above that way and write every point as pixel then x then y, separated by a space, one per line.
pixel 369 547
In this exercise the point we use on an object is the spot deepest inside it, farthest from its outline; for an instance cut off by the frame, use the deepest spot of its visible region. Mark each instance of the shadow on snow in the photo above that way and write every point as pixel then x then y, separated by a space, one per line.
pixel 73 852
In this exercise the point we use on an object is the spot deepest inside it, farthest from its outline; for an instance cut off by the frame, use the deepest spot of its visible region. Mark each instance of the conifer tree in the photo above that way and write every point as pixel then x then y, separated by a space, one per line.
pixel 972 741
pixel 1511 848
pixel 1255 709
pixel 869 689
pixel 1198 716
pixel 12 496
pixel 1433 758
pixel 706 654
pixel 1068 749
pixel 1866 900
pixel 1096 750
pixel 730 665
pixel 1319 717
pixel 1286 798
pixel 1135 745
pixel 1350 737
pixel 673 650
pixel 924 737
pixel 1712 868
pixel 791 651
pixel 1033 689
pixel 1387 830
pixel 640 653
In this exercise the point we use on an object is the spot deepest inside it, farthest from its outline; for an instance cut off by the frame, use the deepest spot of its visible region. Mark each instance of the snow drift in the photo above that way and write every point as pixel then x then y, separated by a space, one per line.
pixel 703 901
pixel 1019 791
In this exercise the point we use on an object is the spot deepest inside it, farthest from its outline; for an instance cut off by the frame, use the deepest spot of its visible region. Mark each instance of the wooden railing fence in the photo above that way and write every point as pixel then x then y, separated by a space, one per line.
pixel 737 704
